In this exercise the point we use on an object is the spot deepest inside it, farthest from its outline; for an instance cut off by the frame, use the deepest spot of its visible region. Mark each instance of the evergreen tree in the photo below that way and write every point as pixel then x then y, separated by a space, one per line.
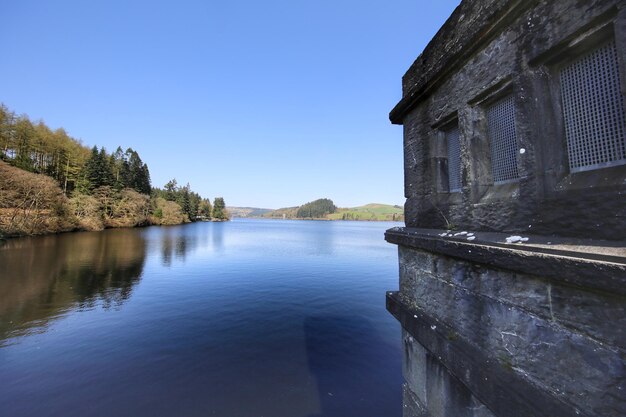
pixel 219 209
pixel 119 168
pixel 97 170
pixel 171 190
pixel 194 205
pixel 145 184
pixel 184 201
pixel 104 170
pixel 205 209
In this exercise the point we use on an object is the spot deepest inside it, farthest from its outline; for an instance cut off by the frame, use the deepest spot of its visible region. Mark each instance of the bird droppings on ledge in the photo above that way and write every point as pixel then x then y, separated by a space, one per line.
pixel 516 239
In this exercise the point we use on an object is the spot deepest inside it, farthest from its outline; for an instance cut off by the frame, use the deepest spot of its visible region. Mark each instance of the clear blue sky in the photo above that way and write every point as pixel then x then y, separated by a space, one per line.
pixel 267 103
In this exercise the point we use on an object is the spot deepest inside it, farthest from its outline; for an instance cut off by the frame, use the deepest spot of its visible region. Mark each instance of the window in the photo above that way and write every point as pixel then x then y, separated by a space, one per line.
pixel 593 109
pixel 454 159
pixel 502 140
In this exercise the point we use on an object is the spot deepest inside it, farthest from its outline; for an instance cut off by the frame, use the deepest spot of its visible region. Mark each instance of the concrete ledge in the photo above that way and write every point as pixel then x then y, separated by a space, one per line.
pixel 499 388
pixel 588 264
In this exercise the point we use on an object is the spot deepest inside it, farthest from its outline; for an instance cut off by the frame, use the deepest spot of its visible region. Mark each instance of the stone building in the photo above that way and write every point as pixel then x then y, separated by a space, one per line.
pixel 513 262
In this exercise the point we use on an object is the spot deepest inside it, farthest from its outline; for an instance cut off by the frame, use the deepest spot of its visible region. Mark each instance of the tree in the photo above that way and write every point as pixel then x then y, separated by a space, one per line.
pixel 167 212
pixel 7 131
pixel 31 203
pixel 184 201
pixel 219 209
pixel 171 190
pixel 194 205
pixel 144 185
pixel 119 166
pixel 205 209
pixel 138 174
pixel 97 171
pixel 24 136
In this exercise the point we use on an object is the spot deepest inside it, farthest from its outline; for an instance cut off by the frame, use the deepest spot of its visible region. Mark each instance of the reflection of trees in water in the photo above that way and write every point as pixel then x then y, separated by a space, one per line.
pixel 166 250
pixel 173 246
pixel 43 277
pixel 218 235
pixel 179 241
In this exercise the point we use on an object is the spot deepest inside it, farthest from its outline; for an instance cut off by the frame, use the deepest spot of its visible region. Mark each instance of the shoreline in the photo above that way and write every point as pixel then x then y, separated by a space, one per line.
pixel 5 238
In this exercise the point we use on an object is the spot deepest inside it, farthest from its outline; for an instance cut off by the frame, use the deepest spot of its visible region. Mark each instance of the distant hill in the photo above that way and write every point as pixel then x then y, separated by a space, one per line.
pixel 368 212
pixel 247 211
pixel 286 213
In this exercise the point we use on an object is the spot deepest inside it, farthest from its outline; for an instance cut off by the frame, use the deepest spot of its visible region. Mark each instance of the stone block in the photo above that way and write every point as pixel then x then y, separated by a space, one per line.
pixel 411 405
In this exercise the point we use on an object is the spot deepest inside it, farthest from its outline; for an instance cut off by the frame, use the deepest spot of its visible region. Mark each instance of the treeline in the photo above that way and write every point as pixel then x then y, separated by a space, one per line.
pixel 191 204
pixel 317 209
pixel 34 147
pixel 50 182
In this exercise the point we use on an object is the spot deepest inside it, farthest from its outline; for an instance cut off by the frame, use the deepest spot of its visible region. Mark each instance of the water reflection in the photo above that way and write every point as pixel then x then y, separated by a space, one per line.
pixel 166 250
pixel 43 277
pixel 250 318
pixel 217 234
pixel 176 242
pixel 337 349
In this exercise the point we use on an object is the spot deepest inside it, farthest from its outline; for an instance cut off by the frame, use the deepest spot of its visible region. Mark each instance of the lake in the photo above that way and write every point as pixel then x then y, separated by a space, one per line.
pixel 245 318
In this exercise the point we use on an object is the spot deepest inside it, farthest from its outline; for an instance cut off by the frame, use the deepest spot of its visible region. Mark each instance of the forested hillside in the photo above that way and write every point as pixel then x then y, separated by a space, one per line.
pixel 247 211
pixel 317 209
pixel 51 182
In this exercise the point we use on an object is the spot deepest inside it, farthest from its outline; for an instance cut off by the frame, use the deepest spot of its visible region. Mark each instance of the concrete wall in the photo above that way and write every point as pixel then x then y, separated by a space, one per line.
pixel 567 341
pixel 489 49
pixel 510 330
pixel 490 328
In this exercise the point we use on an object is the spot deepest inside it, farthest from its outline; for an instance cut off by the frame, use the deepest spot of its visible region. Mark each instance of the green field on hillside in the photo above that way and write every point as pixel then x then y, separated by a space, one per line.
pixel 369 212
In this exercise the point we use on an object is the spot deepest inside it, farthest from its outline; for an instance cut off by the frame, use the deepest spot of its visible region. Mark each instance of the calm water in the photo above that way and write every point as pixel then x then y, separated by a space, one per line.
pixel 246 318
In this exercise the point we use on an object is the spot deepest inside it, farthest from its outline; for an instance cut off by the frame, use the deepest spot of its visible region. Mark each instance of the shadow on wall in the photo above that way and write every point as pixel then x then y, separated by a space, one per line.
pixel 345 357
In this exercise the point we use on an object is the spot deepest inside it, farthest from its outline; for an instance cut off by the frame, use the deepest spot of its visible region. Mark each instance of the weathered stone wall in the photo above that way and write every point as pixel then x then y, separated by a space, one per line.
pixel 491 329
pixel 488 49
pixel 558 348
pixel 430 389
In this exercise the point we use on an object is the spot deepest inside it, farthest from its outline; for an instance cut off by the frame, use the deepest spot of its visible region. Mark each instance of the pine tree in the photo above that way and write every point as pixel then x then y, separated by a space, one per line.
pixel 219 209
pixel 145 184
pixel 184 201
pixel 97 170
pixel 205 208
pixel 118 162
pixel 171 190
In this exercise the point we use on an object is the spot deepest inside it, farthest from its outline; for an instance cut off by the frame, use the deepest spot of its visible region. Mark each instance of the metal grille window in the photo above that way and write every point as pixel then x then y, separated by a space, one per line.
pixel 502 140
pixel 593 109
pixel 454 159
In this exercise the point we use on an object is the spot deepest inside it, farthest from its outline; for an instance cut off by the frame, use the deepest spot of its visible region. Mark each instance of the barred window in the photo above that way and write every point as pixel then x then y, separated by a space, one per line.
pixel 593 109
pixel 502 140
pixel 454 159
